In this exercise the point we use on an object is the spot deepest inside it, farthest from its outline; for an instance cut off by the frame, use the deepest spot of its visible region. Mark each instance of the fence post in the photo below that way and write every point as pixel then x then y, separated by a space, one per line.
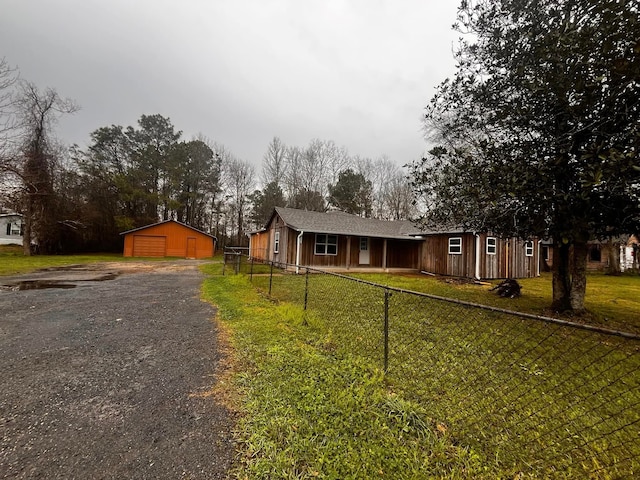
pixel 224 262
pixel 270 278
pixel 237 263
pixel 306 288
pixel 251 271
pixel 387 294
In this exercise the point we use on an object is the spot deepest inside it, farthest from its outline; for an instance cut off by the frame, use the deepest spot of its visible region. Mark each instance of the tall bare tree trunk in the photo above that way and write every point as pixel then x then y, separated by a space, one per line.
pixel 26 228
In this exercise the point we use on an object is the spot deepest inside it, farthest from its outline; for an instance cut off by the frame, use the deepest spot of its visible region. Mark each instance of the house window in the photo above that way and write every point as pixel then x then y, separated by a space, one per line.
pixel 528 248
pixel 545 253
pixel 491 245
pixel 326 244
pixel 595 254
pixel 9 228
pixel 455 246
pixel 276 243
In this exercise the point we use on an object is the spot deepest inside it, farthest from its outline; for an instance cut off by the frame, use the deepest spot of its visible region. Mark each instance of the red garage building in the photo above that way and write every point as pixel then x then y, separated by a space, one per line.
pixel 168 239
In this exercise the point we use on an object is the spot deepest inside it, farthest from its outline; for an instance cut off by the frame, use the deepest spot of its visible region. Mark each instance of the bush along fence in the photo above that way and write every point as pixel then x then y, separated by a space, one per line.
pixel 539 396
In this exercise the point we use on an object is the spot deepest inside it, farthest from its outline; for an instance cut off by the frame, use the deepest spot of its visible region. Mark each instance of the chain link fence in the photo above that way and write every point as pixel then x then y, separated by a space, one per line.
pixel 537 396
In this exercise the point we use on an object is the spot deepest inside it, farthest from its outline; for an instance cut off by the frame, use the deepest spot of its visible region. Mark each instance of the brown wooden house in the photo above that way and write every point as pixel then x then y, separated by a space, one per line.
pixel 168 239
pixel 479 255
pixel 337 240
pixel 601 254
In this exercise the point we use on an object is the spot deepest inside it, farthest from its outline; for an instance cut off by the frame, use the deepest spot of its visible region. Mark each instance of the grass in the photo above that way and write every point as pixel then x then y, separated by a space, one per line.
pixel 13 261
pixel 611 301
pixel 513 397
pixel 313 411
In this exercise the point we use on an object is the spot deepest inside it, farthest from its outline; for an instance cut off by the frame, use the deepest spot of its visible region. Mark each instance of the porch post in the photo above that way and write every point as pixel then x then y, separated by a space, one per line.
pixel 478 256
pixel 298 250
pixel 348 262
pixel 384 253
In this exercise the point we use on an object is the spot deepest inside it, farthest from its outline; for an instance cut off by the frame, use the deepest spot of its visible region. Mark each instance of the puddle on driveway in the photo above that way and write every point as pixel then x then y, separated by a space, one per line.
pixel 37 285
pixel 41 284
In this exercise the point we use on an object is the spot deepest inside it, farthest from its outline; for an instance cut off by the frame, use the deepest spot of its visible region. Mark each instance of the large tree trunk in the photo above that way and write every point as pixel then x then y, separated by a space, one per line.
pixel 561 278
pixel 578 277
pixel 569 277
pixel 614 258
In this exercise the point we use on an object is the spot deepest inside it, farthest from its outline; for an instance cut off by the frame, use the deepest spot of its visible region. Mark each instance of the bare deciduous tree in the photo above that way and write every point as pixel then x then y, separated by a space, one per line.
pixel 8 123
pixel 239 177
pixel 274 163
pixel 37 112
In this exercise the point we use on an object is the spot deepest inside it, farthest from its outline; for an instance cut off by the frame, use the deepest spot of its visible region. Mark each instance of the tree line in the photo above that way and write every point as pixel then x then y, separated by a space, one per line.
pixel 81 199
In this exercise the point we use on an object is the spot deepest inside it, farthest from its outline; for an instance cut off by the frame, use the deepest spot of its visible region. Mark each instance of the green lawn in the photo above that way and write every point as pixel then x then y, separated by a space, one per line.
pixel 309 411
pixel 612 301
pixel 513 396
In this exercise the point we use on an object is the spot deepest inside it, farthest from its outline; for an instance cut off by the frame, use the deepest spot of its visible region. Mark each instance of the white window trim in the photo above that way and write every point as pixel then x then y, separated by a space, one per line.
pixel 325 244
pixel 528 248
pixel 494 246
pixel 276 243
pixel 458 246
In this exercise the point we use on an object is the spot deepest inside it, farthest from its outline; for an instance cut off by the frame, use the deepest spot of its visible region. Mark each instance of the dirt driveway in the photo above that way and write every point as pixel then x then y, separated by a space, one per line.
pixel 104 375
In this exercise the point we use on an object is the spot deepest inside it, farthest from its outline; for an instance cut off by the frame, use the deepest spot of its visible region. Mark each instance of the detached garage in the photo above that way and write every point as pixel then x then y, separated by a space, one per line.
pixel 168 239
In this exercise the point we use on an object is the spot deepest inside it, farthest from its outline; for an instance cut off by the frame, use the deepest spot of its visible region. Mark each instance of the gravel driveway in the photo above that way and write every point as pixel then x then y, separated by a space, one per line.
pixel 105 378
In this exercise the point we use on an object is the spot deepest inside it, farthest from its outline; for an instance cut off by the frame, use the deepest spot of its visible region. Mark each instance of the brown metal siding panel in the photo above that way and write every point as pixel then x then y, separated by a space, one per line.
pixel 128 245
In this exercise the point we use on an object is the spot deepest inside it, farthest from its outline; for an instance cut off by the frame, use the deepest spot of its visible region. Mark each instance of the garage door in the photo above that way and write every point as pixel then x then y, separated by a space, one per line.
pixel 149 246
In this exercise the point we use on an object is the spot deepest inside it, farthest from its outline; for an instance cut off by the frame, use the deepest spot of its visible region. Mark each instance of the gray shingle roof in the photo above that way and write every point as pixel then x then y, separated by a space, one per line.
pixel 340 223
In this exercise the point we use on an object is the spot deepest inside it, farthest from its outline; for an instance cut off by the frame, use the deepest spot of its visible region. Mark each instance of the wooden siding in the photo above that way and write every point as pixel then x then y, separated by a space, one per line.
pixel 520 265
pixel 509 260
pixel 431 254
pixel 436 257
pixel 259 245
pixel 263 243
pixel 176 236
pixel 308 256
pixel 403 253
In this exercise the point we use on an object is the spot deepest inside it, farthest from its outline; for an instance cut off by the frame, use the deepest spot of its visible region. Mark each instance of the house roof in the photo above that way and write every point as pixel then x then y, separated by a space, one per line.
pixel 168 221
pixel 340 223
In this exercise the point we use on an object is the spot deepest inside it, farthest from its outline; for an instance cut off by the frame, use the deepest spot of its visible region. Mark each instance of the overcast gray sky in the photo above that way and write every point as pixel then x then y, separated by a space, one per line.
pixel 358 72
